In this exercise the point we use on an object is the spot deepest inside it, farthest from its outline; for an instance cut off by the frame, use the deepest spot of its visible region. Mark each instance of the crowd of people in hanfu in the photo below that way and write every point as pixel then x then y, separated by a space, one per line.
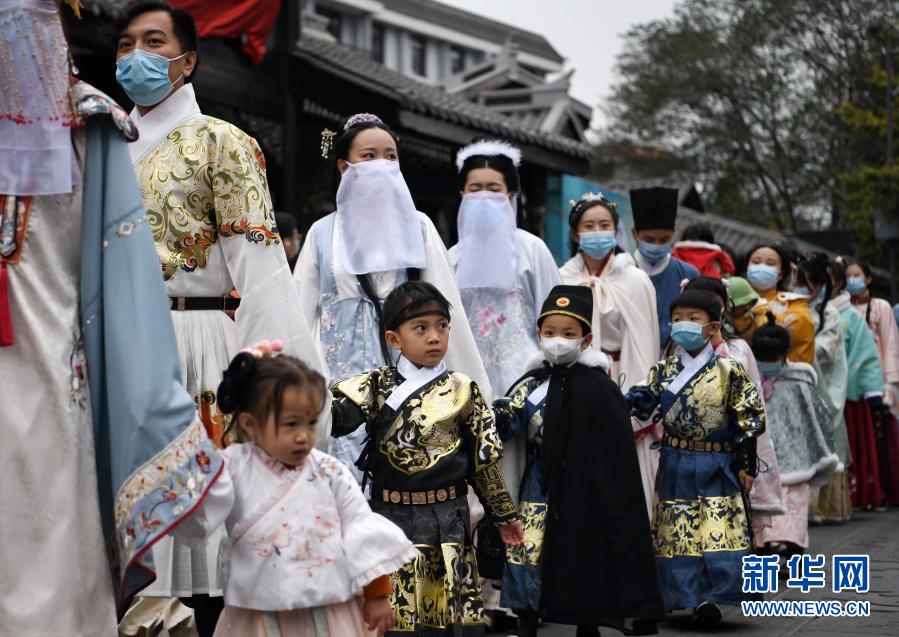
pixel 374 434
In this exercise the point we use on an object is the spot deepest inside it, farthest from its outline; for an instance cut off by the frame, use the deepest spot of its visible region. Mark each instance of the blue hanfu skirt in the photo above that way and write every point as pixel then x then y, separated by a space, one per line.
pixel 700 529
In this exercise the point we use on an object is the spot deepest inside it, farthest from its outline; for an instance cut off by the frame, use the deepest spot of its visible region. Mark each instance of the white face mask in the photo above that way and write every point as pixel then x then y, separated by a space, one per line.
pixel 379 227
pixel 559 350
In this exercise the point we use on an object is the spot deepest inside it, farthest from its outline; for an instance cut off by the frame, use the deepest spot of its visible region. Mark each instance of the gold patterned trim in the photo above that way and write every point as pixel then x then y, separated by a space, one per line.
pixel 693 527
pixel 566 313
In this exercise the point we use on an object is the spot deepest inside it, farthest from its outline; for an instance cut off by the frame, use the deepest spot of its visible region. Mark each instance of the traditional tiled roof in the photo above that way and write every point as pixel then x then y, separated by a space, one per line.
pixel 431 101
pixel 474 25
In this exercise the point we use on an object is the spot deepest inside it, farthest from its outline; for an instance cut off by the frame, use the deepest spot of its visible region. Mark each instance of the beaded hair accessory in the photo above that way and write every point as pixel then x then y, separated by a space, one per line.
pixel 488 148
pixel 361 118
pixel 590 199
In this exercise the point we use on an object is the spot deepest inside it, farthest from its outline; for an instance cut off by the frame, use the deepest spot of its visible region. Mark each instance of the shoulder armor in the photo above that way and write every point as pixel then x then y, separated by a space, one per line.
pixel 89 102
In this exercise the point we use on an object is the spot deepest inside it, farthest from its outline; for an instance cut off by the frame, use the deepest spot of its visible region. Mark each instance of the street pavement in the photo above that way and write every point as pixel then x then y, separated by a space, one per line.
pixel 870 533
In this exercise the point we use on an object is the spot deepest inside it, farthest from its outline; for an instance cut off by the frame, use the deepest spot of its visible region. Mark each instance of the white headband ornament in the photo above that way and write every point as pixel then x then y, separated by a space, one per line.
pixel 488 148
pixel 361 118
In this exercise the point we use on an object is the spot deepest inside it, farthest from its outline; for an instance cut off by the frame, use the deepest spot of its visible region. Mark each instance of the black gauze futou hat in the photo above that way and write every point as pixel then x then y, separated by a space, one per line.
pixel 654 208
pixel 575 301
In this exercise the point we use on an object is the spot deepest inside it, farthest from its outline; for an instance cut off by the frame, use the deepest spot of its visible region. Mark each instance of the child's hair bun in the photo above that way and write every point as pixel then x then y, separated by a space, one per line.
pixel 234 381
pixel 772 320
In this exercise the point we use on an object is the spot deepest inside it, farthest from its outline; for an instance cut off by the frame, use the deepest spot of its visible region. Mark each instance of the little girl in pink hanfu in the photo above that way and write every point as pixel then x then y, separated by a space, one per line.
pixel 304 555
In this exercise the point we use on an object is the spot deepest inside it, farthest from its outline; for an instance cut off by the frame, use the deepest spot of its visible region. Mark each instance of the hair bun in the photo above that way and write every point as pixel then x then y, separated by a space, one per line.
pixel 772 320
pixel 234 379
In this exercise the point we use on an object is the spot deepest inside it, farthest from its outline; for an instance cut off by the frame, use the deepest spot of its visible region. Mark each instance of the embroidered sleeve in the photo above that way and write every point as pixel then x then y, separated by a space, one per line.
pixel 510 411
pixel 745 403
pixel 243 205
pixel 490 487
pixel 353 403
pixel 485 447
pixel 644 397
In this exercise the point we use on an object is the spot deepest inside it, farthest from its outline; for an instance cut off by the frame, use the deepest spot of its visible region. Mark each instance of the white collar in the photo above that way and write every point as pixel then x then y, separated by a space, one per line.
pixel 415 378
pixel 648 267
pixel 178 107
pixel 591 357
pixel 692 364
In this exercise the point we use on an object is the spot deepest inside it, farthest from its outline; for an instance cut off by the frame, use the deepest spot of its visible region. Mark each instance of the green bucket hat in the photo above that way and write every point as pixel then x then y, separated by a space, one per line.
pixel 740 292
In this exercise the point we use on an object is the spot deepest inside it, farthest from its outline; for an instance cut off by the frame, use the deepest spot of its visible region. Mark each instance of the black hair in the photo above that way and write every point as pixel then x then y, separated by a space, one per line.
pixel 257 386
pixel 698 232
pixel 699 299
pixel 581 207
pixel 286 222
pixel 586 328
pixel 344 140
pixel 837 271
pixel 183 26
pixel 786 260
pixel 408 297
pixel 770 342
pixel 715 286
pixel 500 163
pixel 814 269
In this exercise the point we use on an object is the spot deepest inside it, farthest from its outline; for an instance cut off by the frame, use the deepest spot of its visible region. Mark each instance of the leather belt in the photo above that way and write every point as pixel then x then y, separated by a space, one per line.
pixel 445 494
pixel 189 303
pixel 697 445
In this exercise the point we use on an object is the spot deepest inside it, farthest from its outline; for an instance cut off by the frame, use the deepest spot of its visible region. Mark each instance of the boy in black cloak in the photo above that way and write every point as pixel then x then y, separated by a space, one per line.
pixel 587 558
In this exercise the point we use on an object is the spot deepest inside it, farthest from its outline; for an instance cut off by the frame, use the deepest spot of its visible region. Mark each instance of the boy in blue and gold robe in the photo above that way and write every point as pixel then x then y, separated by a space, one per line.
pixel 582 499
pixel 712 414
pixel 430 434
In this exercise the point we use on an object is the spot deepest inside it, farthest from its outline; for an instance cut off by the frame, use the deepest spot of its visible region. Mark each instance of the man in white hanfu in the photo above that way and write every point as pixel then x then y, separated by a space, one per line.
pixel 204 186
pixel 102 450
pixel 353 258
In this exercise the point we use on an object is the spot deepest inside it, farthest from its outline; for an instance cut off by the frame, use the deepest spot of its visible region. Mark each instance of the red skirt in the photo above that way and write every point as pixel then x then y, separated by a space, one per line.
pixel 864 471
pixel 886 438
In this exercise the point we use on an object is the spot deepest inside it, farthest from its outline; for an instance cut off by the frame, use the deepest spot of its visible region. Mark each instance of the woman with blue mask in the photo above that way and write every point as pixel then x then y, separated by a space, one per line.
pixel 655 212
pixel 712 415
pixel 798 421
pixel 625 323
pixel 879 318
pixel 865 406
pixel 769 272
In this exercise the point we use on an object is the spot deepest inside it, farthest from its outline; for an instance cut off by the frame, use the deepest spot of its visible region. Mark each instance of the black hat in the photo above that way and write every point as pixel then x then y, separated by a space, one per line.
pixel 575 301
pixel 654 208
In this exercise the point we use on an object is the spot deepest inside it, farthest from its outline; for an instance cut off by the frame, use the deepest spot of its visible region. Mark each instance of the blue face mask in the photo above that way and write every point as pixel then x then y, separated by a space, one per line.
pixel 761 276
pixel 145 76
pixel 597 244
pixel 688 335
pixel 654 252
pixel 770 370
pixel 855 285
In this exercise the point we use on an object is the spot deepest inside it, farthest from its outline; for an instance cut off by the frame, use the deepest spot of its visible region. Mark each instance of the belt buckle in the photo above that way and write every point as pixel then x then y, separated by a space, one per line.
pixel 181 302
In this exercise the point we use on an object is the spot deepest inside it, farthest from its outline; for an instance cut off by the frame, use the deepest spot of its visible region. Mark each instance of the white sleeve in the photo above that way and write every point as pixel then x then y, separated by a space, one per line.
pixel 544 272
pixel 462 355
pixel 306 274
pixel 212 511
pixel 374 544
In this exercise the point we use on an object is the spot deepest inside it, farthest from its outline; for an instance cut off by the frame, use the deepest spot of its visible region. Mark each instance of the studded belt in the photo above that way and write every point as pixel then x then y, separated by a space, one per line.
pixel 697 445
pixel 445 494
pixel 188 303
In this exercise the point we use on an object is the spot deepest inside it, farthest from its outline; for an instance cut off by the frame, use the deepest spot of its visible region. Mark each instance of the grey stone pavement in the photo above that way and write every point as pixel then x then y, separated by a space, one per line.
pixel 873 533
